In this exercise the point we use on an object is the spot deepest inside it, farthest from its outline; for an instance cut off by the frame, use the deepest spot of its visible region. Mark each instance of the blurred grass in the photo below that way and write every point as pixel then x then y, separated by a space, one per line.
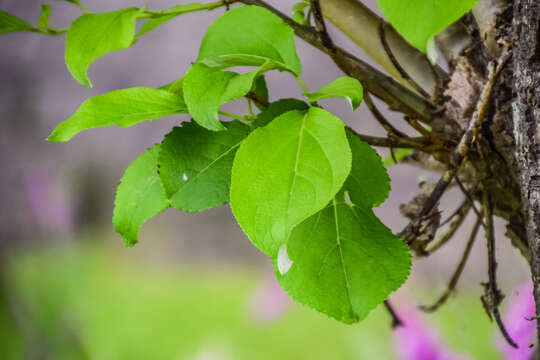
pixel 81 302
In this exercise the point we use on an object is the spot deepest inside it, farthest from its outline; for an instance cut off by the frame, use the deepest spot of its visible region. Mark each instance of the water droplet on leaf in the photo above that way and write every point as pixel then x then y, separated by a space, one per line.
pixel 284 263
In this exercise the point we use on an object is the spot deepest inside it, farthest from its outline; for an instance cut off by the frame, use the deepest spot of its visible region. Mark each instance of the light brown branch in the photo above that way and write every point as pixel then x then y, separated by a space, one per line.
pixel 397 96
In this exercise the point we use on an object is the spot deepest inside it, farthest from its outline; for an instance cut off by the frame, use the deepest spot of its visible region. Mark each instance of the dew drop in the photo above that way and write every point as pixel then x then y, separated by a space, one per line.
pixel 184 176
pixel 284 263
pixel 348 198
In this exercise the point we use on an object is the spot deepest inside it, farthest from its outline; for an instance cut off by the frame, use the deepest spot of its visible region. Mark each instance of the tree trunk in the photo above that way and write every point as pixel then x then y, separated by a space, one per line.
pixel 526 117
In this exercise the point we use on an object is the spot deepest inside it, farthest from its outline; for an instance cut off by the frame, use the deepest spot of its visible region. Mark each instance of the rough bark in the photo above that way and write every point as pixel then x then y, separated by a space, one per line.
pixel 526 117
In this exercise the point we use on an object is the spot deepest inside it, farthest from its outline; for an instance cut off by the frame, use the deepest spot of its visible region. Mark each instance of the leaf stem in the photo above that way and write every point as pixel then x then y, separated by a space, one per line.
pixel 49 31
pixel 209 6
pixel 244 119
pixel 305 90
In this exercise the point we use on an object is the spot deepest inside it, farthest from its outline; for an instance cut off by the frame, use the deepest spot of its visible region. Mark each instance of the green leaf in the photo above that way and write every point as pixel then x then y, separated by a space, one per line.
pixel 195 164
pixel 94 35
pixel 43 20
pixel 11 23
pixel 139 196
pixel 287 171
pixel 168 15
pixel 346 87
pixel 399 154
pixel 123 108
pixel 250 36
pixel 368 183
pixel 299 17
pixel 342 262
pixel 298 12
pixel 277 108
pixel 206 89
pixel 300 6
pixel 260 89
pixel 419 20
pixel 177 87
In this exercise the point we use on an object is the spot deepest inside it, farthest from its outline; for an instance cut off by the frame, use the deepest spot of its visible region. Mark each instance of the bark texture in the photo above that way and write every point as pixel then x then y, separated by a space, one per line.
pixel 526 117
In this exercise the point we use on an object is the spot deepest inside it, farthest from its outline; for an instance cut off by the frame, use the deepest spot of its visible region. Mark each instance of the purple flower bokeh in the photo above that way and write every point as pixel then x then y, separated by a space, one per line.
pixel 520 308
pixel 269 302
pixel 415 340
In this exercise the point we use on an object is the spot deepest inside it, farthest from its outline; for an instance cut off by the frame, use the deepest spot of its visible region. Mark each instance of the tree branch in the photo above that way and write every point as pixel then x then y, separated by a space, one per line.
pixel 396 321
pixel 397 96
pixel 526 107
pixel 356 20
pixel 492 295
pixel 457 273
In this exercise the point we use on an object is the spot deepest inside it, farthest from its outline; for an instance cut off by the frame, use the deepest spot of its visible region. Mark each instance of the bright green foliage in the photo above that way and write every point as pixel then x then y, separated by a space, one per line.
pixel 139 196
pixel 11 23
pixel 169 14
pixel 285 172
pixel 399 154
pixel 94 35
pixel 123 108
pixel 43 20
pixel 195 164
pixel 368 183
pixel 298 12
pixel 345 86
pixel 301 186
pixel 277 108
pixel 250 36
pixel 419 20
pixel 206 89
pixel 343 262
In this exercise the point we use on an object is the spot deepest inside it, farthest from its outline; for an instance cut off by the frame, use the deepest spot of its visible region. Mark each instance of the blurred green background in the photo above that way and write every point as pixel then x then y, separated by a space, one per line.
pixel 93 302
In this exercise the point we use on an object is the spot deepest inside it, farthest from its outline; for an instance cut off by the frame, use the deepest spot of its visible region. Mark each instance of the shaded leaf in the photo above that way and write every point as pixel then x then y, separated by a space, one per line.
pixel 195 164
pixel 260 89
pixel 343 262
pixel 277 108
pixel 368 183
pixel 11 23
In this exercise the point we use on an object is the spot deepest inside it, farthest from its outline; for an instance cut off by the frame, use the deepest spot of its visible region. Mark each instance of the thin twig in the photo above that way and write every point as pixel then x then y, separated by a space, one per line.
pixel 320 25
pixel 470 199
pixel 395 62
pixel 458 156
pixel 457 273
pixel 396 321
pixel 259 100
pixel 492 297
pixel 451 231
pixel 390 129
pixel 454 214
pixel 414 143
